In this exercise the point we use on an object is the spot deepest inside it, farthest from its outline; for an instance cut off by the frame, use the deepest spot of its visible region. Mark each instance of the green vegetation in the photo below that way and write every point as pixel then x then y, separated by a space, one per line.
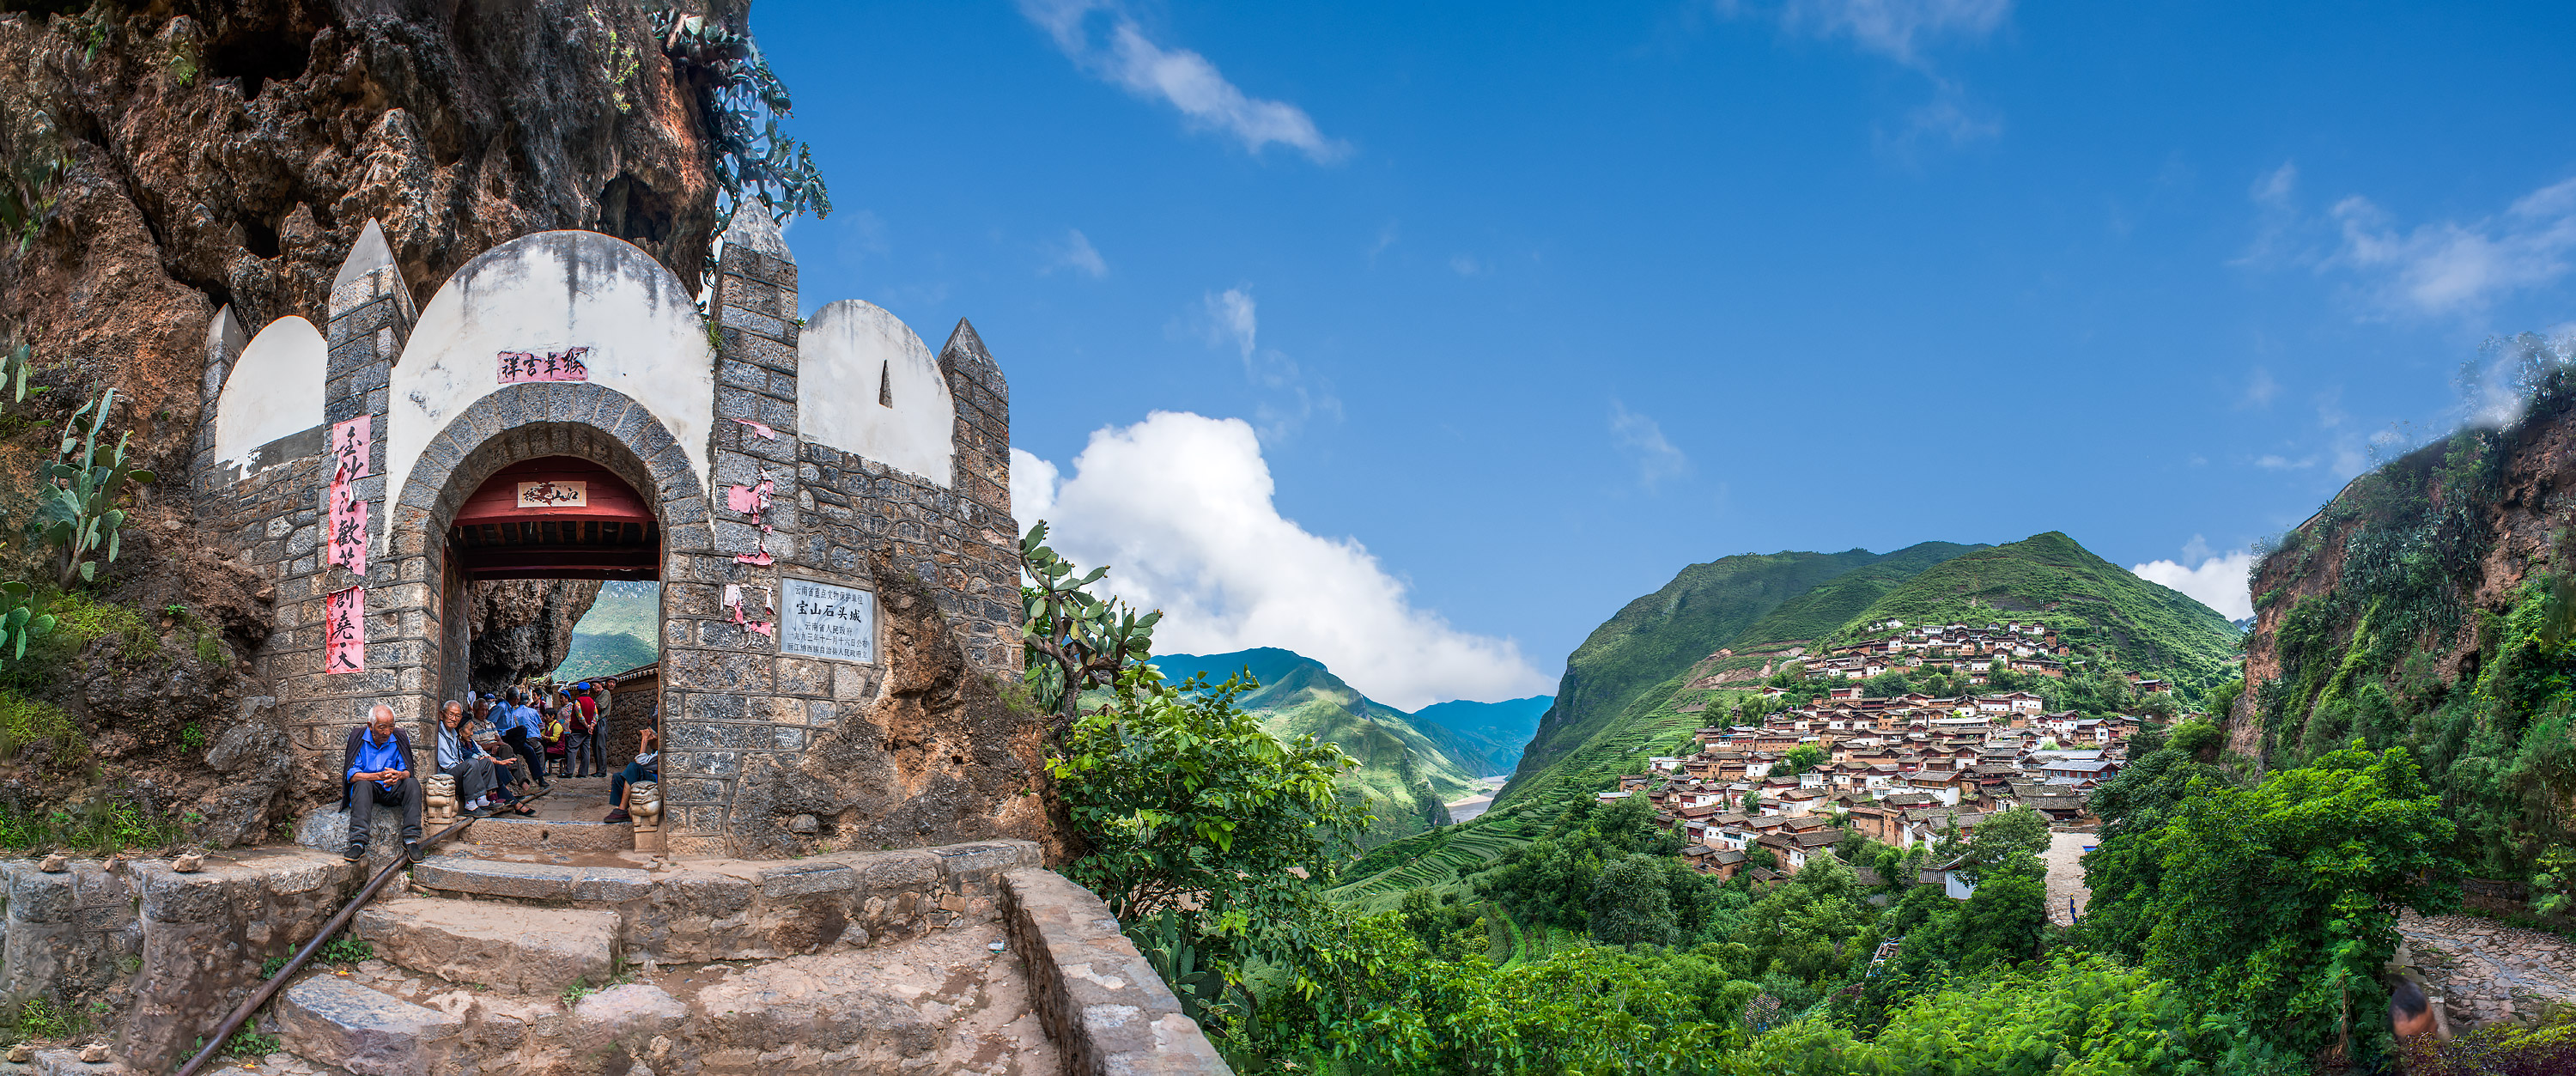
pixel 2109 614
pixel 346 949
pixel 1837 601
pixel 253 1043
pixel 1405 771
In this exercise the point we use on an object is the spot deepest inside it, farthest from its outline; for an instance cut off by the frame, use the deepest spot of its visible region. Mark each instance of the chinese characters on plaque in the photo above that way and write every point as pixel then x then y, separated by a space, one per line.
pixel 554 494
pixel 345 538
pixel 344 631
pixel 565 365
pixel 827 620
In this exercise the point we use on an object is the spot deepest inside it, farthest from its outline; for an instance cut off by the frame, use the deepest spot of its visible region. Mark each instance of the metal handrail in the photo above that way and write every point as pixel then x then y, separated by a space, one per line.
pixel 241 1015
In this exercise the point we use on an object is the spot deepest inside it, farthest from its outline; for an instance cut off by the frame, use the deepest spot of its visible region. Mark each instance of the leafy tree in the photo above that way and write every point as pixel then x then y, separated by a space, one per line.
pixel 2006 843
pixel 1075 641
pixel 2074 1017
pixel 1886 685
pixel 2277 905
pixel 1630 902
pixel 1800 759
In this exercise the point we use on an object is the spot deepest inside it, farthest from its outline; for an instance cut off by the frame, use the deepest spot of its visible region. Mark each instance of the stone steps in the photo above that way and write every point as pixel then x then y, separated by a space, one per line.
pixel 536 951
pixel 532 881
pixel 335 1022
pixel 517 833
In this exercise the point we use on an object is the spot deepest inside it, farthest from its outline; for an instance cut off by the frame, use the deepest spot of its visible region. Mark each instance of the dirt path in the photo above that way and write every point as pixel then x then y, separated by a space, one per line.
pixel 2485 971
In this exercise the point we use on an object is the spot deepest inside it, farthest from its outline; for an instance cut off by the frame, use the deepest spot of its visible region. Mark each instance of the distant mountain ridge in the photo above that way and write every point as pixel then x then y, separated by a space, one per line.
pixel 1412 764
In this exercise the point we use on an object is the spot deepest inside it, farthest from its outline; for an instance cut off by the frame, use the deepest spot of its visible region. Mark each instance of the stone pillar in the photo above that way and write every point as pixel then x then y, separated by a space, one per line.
pixel 371 317
pixel 733 711
pixel 987 592
pixel 224 342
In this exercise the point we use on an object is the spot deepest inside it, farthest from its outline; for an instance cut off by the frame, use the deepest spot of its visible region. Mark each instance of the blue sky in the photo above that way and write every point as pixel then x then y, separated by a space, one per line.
pixel 1517 309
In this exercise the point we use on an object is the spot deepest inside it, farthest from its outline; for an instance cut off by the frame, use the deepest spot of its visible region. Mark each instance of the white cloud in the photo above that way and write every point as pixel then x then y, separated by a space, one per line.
pixel 2454 266
pixel 1076 253
pixel 1947 121
pixel 1180 507
pixel 1232 320
pixel 2219 582
pixel 1896 29
pixel 1121 54
pixel 1465 265
pixel 1642 438
pixel 2260 389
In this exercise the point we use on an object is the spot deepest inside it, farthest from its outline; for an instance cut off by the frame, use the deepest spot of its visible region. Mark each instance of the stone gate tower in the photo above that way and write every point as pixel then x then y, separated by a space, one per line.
pixel 822 501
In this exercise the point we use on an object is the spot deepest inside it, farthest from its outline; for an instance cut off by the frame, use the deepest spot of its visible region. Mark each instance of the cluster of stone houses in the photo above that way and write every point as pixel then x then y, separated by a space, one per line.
pixel 1903 771
pixel 1977 652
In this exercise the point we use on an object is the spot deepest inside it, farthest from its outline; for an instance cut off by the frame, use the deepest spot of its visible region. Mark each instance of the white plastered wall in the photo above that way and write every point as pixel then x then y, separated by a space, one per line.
pixel 274 391
pixel 849 351
pixel 551 292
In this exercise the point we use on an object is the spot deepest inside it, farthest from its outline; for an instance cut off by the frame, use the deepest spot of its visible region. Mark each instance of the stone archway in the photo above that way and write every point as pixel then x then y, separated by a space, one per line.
pixel 513 424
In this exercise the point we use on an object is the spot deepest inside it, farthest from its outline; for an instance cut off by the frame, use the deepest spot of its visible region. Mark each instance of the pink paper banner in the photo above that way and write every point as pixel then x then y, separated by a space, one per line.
pixel 761 429
pixel 566 365
pixel 350 445
pixel 751 499
pixel 346 541
pixel 344 631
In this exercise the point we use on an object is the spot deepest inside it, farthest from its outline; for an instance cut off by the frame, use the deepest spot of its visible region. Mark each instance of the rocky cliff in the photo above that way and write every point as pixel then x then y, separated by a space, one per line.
pixel 2431 605
pixel 522 627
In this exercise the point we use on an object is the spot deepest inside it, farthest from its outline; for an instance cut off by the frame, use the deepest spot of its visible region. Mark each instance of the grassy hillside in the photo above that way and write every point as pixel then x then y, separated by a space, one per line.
pixel 2092 602
pixel 621 631
pixel 1834 602
pixel 1623 691
pixel 1407 771
pixel 1660 635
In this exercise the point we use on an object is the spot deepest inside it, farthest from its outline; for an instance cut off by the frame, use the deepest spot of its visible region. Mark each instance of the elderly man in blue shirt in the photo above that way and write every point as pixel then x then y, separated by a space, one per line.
pixel 376 770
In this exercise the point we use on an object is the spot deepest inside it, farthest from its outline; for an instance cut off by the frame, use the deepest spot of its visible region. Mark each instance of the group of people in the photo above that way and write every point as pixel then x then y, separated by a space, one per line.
pixel 500 752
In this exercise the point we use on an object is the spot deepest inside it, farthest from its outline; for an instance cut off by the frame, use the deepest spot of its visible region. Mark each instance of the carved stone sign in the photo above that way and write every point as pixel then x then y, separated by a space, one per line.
pixel 827 620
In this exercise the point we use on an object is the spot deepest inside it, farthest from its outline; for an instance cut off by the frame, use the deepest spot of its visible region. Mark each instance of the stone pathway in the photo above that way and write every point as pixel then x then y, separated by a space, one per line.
pixel 2486 972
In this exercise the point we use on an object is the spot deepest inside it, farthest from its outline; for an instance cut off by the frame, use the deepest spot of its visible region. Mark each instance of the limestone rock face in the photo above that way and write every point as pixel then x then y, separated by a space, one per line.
pixel 231 151
pixel 523 627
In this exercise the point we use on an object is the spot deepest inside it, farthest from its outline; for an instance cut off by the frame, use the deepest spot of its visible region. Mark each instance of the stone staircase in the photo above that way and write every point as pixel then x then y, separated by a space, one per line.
pixel 513 957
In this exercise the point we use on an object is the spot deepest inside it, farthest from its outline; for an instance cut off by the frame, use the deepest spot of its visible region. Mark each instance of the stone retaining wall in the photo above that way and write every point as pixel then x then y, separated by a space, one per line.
pixel 168 953
pixel 1104 1005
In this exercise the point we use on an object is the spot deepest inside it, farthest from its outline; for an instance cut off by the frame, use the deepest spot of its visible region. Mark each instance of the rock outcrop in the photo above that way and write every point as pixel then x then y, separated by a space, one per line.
pixel 523 627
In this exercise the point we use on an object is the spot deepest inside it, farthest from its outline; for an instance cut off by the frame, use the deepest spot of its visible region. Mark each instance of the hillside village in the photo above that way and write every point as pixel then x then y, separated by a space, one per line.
pixel 1904 770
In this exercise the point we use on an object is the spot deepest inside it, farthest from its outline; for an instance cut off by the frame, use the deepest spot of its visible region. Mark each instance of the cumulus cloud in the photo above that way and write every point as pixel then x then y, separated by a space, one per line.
pixel 1077 254
pixel 1180 506
pixel 1896 29
pixel 2219 582
pixel 1103 38
pixel 1642 439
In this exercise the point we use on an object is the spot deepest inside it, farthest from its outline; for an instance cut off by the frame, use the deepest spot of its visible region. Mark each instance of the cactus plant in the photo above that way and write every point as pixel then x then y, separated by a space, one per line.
pixel 76 495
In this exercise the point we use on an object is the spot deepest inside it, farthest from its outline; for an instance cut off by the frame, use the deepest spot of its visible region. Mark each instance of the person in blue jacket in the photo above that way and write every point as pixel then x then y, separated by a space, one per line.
pixel 375 770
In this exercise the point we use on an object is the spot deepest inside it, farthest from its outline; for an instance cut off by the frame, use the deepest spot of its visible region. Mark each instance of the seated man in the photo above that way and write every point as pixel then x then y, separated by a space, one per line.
pixel 478 783
pixel 646 767
pixel 376 769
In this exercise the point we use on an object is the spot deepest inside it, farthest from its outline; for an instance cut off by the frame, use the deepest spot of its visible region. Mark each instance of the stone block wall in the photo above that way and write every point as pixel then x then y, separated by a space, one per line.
pixel 170 952
pixel 1103 1003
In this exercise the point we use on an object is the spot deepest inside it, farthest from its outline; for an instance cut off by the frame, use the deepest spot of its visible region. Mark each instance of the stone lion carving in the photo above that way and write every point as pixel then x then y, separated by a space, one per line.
pixel 644 806
pixel 438 799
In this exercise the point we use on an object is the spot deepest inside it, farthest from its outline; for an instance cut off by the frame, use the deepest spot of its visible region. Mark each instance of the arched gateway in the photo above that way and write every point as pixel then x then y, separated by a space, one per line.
pixel 562 409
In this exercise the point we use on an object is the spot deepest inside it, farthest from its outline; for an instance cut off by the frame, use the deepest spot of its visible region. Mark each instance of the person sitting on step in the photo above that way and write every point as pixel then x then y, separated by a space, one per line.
pixel 478 784
pixel 376 769
pixel 646 767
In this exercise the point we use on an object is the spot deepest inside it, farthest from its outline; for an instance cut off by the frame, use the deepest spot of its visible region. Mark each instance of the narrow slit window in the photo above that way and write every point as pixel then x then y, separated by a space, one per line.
pixel 885 385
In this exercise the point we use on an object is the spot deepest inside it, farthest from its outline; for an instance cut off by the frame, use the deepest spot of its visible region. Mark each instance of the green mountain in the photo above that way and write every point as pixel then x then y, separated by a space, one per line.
pixel 1410 768
pixel 1486 737
pixel 620 632
pixel 1627 691
pixel 2128 622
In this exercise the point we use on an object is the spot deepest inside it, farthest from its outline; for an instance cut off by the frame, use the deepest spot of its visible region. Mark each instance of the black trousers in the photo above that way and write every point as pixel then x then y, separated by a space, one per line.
pixel 518 741
pixel 367 795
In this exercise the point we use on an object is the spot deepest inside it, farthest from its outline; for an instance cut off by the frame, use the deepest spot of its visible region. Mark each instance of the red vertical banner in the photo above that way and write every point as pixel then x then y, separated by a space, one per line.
pixel 344 631
pixel 346 541
pixel 351 443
